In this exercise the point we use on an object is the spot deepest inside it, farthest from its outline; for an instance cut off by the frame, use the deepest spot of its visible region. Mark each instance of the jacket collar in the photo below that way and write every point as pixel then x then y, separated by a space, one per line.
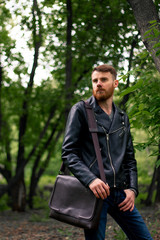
pixel 93 102
pixel 118 119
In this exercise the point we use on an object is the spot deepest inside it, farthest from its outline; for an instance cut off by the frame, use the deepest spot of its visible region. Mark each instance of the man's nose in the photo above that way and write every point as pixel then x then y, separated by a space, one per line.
pixel 99 83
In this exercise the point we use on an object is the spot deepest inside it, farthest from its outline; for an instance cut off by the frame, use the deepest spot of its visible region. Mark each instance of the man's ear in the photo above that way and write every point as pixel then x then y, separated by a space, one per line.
pixel 116 83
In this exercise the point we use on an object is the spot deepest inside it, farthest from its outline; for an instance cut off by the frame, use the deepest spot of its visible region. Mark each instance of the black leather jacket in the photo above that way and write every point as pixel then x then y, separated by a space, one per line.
pixel 115 142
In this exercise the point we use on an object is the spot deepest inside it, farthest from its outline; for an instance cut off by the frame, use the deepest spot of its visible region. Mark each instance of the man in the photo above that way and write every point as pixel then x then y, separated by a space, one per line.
pixel 117 153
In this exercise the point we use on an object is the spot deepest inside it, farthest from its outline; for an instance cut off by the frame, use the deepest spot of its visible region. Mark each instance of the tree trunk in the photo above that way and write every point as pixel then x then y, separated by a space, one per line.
pixel 15 179
pixel 152 187
pixel 6 171
pixel 18 195
pixel 19 190
pixel 68 83
pixel 36 172
pixel 145 12
pixel 157 199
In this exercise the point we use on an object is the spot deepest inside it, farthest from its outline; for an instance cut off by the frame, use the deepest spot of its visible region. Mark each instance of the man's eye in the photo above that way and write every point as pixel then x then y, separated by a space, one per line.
pixel 104 79
pixel 95 80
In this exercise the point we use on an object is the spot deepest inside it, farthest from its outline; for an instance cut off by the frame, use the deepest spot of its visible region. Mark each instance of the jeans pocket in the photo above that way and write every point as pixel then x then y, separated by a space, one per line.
pixel 122 196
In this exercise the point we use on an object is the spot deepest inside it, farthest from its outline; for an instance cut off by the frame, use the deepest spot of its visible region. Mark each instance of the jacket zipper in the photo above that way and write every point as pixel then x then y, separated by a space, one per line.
pixel 114 172
pixel 110 159
pixel 116 130
pixel 92 163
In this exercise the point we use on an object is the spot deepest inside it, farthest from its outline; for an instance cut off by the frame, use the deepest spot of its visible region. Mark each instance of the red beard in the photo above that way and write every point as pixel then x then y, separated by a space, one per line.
pixel 101 94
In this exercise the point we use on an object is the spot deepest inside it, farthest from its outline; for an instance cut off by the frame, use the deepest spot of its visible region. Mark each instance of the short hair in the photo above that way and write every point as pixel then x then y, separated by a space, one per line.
pixel 106 68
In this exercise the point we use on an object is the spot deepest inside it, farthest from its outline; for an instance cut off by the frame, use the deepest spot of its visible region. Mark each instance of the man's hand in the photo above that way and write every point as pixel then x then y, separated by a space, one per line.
pixel 99 188
pixel 128 203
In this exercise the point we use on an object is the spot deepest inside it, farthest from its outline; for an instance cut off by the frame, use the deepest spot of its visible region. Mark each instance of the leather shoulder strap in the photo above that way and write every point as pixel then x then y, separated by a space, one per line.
pixel 93 129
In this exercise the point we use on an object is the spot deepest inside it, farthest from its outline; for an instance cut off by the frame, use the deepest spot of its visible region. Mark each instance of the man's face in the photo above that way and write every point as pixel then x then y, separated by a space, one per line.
pixel 103 85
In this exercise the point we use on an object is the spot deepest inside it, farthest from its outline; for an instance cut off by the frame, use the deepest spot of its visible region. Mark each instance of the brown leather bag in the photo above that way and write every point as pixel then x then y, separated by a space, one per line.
pixel 71 202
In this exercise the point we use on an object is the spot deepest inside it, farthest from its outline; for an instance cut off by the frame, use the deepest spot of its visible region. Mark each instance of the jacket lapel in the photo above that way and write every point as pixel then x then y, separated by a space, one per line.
pixel 103 119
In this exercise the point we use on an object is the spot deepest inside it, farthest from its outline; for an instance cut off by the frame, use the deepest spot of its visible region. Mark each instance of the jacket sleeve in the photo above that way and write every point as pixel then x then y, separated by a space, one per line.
pixel 71 148
pixel 130 162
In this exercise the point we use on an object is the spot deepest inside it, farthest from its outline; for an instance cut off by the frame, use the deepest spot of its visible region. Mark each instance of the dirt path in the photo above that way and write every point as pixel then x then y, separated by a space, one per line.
pixel 35 226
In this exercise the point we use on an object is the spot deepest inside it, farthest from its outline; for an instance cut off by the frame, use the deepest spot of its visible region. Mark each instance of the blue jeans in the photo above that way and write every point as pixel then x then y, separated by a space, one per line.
pixel 130 222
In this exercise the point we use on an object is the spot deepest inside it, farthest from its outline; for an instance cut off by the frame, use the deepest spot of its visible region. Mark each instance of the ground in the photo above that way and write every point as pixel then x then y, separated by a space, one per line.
pixel 33 225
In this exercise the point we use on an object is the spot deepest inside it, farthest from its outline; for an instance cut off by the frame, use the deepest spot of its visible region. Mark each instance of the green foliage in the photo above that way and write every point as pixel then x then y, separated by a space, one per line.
pixel 101 33
pixel 41 202
pixel 145 111
pixel 120 235
pixel 143 106
pixel 145 164
pixel 4 203
pixel 49 177
pixel 133 88
pixel 153 34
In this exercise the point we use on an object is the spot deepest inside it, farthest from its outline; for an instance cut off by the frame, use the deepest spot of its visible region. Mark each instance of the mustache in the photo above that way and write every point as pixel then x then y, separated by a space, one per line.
pixel 100 89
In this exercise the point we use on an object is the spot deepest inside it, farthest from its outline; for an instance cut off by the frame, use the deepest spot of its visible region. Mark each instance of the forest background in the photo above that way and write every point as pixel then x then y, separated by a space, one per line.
pixel 47 51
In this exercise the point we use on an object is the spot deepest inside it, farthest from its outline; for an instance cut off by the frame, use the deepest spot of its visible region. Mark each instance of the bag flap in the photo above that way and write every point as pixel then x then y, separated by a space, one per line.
pixel 71 198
